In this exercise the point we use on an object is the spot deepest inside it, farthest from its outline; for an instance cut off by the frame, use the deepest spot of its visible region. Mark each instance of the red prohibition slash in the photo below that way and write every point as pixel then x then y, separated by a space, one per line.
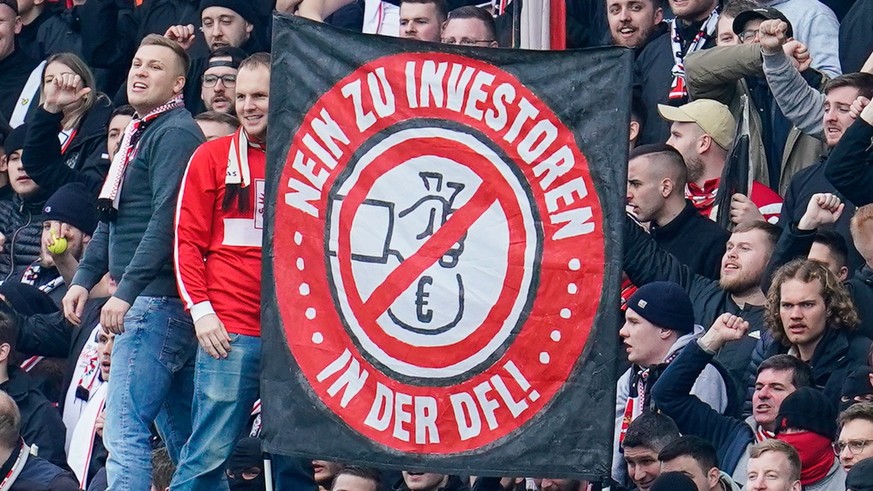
pixel 493 400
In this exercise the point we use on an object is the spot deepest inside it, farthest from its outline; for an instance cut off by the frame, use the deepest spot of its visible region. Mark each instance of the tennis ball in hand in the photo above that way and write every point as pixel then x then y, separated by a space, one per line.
pixel 58 245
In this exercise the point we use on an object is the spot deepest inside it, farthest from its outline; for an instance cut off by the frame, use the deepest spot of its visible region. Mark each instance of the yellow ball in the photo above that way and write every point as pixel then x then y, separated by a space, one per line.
pixel 58 246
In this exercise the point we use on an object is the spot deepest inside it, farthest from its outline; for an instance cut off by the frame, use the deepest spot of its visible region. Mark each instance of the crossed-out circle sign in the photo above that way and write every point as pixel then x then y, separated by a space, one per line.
pixel 437 252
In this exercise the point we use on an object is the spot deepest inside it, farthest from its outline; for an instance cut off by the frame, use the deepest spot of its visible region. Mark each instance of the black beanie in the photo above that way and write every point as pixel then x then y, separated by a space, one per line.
pixel 673 481
pixel 15 139
pixel 664 304
pixel 73 204
pixel 242 7
pixel 808 409
pixel 856 384
pixel 860 478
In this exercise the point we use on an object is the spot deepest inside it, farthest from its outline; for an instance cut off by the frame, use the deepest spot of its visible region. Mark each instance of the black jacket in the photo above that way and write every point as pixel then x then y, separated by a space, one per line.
pixel 856 36
pixel 85 160
pixel 16 69
pixel 645 262
pixel 672 394
pixel 849 166
pixel 39 474
pixel 41 423
pixel 695 240
pixel 21 223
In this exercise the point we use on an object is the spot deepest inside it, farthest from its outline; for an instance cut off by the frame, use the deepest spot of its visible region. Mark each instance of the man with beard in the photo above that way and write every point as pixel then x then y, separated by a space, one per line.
pixel 631 22
pixel 738 291
pixel 218 83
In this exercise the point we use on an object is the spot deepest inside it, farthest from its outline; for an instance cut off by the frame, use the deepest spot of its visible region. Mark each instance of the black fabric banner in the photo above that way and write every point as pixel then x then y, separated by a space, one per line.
pixel 442 260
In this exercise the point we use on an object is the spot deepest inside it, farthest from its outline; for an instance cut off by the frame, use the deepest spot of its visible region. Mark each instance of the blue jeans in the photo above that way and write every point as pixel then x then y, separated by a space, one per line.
pixel 224 392
pixel 151 380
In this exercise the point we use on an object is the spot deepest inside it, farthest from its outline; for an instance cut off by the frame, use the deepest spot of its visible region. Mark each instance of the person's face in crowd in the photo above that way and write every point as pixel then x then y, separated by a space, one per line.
pixel 21 183
pixel 76 241
pixel 704 479
pixel 10 26
pixel 836 113
pixel 822 253
pixel 744 260
pixel 725 30
pixel 687 138
pixel 218 87
pixel 105 342
pixel 749 34
pixel 224 27
pixel 645 343
pixel 645 192
pixel 55 69
pixel 420 21
pixel 424 481
pixel 468 32
pixel 154 78
pixel 643 466
pixel 862 238
pixel 771 388
pixel 562 484
pixel 325 471
pixel 215 129
pixel 631 22
pixel 803 311
pixel 856 438
pixel 692 10
pixel 771 471
pixel 252 99
pixel 348 482
pixel 116 131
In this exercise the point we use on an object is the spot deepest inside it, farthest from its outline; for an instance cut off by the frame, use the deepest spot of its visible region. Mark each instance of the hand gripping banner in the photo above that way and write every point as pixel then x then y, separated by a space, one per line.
pixel 442 253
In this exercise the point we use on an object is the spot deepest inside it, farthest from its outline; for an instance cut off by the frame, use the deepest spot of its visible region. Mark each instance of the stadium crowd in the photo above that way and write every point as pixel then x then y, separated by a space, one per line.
pixel 132 159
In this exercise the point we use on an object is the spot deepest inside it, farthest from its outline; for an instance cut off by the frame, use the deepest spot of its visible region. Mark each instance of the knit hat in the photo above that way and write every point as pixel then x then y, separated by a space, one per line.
pixel 808 409
pixel 673 481
pixel 242 7
pixel 860 478
pixel 74 205
pixel 764 13
pixel 712 116
pixel 15 139
pixel 13 4
pixel 664 304
pixel 856 384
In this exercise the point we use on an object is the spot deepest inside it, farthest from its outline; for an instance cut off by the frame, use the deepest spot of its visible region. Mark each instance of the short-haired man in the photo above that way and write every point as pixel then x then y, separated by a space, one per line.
pixel 470 26
pixel 218 83
pixel 695 457
pixel 830 249
pixel 429 481
pixel 703 131
pixel 137 203
pixel 855 441
pixel 631 22
pixel 422 19
pixel 656 179
pixel 659 322
pixel 776 378
pixel 354 478
pixel 215 125
pixel 729 12
pixel 773 466
pixel 646 436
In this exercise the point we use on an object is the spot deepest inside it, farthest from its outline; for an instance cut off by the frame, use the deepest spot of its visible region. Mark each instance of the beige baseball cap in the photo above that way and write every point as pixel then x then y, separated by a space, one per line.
pixel 712 116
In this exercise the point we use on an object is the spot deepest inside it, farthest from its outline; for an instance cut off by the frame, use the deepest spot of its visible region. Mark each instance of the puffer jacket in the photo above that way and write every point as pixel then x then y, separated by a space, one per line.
pixel 21 223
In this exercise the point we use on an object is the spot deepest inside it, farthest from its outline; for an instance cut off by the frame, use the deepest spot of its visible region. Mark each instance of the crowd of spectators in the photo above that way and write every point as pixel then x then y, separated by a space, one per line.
pixel 132 161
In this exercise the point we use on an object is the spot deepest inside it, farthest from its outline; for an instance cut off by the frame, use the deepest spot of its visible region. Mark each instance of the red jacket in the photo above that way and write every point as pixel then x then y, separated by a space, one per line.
pixel 769 203
pixel 218 252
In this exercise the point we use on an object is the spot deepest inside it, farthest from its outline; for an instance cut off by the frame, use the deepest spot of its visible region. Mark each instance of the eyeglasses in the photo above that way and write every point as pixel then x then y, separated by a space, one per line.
pixel 855 446
pixel 466 41
pixel 750 34
pixel 227 80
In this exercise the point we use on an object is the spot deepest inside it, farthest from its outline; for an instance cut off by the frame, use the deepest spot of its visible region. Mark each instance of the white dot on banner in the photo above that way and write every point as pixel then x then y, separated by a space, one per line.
pixel 544 358
pixel 310 313
pixel 572 289
pixel 298 238
pixel 565 313
pixel 304 289
pixel 300 263
pixel 534 395
pixel 317 338
pixel 556 336
pixel 574 264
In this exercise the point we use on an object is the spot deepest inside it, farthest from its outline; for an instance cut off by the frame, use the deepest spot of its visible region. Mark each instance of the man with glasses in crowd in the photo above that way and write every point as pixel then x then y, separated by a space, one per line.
pixel 470 26
pixel 218 84
pixel 855 441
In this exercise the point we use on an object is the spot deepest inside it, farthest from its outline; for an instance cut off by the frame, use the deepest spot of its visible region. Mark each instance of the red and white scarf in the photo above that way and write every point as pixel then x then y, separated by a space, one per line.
pixel 82 444
pixel 107 202
pixel 9 479
pixel 679 90
pixel 238 159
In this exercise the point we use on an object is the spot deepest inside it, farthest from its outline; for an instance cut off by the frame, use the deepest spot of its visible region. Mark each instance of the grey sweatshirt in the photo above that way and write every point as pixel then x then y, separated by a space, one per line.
pixel 800 103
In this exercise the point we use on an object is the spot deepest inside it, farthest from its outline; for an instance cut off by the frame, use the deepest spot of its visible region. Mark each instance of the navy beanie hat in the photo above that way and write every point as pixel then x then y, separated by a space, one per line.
pixel 664 304
pixel 15 139
pixel 74 205
pixel 242 7
pixel 808 409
